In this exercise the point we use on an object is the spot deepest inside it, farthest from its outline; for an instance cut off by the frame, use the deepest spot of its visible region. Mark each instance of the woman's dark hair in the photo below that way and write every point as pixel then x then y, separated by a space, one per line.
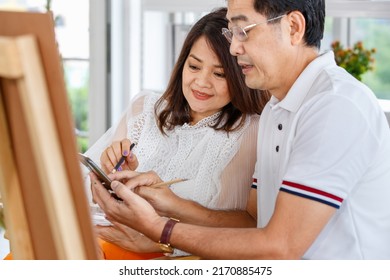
pixel 172 108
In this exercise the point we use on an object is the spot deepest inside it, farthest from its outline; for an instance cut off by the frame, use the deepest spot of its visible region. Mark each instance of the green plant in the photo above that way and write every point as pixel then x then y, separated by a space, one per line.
pixel 1 218
pixel 356 60
pixel 48 5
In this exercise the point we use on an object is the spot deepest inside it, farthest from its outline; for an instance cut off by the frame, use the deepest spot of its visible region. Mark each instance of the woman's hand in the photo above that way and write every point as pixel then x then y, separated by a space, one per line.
pixel 127 238
pixel 111 156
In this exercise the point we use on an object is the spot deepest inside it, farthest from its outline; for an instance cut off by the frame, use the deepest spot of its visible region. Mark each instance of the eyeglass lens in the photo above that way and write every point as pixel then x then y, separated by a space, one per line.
pixel 240 32
pixel 237 32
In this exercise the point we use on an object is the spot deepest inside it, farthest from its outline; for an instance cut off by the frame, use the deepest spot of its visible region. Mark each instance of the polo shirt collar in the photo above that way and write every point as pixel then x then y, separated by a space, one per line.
pixel 298 92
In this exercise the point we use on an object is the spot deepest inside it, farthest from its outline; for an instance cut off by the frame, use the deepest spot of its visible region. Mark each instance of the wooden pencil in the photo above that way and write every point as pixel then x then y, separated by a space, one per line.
pixel 167 183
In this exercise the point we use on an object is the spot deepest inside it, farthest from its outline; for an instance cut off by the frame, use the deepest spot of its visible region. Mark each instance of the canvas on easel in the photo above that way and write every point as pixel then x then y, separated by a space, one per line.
pixel 45 207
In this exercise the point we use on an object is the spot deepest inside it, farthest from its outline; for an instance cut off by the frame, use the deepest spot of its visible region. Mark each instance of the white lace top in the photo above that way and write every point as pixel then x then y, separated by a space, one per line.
pixel 218 166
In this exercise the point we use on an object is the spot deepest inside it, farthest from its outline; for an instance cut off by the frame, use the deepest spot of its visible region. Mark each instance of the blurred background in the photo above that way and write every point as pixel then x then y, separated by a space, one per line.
pixel 113 49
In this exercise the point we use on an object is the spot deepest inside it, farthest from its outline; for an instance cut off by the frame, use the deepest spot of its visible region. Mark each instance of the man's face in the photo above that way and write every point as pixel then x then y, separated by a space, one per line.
pixel 263 56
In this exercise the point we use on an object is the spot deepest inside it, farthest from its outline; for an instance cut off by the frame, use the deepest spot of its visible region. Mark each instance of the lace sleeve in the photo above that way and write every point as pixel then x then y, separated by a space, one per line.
pixel 117 132
pixel 237 176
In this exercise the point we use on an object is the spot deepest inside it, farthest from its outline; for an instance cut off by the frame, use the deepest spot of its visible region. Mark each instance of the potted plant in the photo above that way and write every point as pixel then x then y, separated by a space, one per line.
pixel 356 60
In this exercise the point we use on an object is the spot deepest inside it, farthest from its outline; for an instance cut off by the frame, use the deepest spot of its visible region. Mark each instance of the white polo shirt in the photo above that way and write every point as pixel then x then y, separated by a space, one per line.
pixel 328 140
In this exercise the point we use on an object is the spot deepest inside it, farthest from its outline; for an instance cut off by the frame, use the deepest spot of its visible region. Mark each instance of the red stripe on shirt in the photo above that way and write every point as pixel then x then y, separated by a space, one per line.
pixel 312 190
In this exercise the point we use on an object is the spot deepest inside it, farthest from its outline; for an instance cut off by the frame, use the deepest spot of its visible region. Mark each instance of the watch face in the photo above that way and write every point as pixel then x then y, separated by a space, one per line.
pixel 165 248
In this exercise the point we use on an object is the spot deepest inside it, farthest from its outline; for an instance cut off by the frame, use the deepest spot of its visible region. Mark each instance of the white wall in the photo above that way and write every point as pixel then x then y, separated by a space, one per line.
pixel 4 245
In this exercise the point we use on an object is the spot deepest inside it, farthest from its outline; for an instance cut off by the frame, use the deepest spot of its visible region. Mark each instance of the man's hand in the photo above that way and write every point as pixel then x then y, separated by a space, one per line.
pixel 133 211
pixel 163 199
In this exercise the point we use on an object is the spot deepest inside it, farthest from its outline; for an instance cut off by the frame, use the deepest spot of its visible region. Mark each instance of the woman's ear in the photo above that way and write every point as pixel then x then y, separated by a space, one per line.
pixel 297 27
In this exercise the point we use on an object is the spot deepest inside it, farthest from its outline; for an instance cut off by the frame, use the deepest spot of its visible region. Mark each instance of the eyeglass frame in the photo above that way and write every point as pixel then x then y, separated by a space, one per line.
pixel 243 30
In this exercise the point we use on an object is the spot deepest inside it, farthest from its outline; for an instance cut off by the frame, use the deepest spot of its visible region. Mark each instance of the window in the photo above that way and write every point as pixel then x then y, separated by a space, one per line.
pixel 373 33
pixel 367 21
pixel 72 34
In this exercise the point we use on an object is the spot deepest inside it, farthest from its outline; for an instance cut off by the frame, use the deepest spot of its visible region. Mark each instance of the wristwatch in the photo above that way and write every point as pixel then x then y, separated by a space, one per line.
pixel 163 243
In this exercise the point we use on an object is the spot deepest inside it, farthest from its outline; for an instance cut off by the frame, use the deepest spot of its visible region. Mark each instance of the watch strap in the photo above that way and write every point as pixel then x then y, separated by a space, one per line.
pixel 167 231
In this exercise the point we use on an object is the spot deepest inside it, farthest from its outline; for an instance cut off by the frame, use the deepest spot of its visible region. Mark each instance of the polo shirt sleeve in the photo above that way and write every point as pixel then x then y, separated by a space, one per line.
pixel 332 146
pixel 256 173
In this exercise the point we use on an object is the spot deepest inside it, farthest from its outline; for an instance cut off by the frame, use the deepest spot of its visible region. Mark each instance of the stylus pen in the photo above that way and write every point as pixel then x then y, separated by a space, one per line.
pixel 121 160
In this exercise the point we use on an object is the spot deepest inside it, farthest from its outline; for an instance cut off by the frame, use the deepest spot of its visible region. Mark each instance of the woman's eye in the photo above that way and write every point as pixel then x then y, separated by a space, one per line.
pixel 193 67
pixel 219 75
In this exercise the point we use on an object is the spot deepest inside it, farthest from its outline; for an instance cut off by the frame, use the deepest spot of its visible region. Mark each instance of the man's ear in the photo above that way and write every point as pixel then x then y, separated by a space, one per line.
pixel 297 27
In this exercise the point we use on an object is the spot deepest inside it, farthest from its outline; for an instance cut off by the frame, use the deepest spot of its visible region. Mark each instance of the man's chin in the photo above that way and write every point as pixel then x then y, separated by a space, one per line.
pixel 252 83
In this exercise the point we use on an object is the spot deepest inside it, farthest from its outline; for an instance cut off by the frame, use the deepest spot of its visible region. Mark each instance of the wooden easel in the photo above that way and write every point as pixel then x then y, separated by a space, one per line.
pixel 45 207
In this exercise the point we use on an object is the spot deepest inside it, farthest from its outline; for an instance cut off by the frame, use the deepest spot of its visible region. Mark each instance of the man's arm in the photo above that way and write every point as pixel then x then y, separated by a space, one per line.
pixel 292 229
pixel 167 204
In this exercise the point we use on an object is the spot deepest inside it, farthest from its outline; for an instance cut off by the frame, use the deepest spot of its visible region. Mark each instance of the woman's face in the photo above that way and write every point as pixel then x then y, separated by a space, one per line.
pixel 204 84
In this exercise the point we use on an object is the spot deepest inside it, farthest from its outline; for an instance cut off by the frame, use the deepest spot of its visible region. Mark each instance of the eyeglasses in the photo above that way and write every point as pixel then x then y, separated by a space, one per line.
pixel 241 32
